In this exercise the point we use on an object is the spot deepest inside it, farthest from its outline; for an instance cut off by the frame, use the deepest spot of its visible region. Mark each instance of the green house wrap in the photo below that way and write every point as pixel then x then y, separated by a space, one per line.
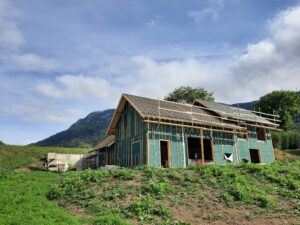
pixel 160 133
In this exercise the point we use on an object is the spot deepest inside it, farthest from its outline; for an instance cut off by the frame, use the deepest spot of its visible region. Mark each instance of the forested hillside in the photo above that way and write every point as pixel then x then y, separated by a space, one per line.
pixel 85 132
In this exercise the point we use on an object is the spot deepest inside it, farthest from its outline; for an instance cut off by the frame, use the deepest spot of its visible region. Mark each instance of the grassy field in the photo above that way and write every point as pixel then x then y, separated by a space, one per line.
pixel 238 194
pixel 23 200
pixel 23 192
pixel 13 157
pixel 247 194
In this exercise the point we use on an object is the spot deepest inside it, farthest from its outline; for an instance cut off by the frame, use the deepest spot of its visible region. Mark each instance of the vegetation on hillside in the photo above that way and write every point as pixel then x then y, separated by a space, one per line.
pixel 189 95
pixel 286 139
pixel 13 157
pixel 248 193
pixel 84 133
pixel 184 196
pixel 284 103
pixel 23 200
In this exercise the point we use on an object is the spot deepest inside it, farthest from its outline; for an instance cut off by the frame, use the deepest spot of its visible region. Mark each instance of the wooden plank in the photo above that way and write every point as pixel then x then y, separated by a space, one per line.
pixel 169 155
pixel 147 144
pixel 189 126
pixel 265 134
pixel 259 156
pixel 202 146
pixel 212 150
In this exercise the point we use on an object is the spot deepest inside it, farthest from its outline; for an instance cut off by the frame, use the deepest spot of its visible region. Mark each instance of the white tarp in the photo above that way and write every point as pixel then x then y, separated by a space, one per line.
pixel 62 162
pixel 229 158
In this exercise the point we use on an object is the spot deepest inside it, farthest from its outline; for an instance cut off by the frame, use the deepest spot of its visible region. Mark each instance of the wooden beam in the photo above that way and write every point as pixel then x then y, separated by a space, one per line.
pixel 169 155
pixel 189 126
pixel 202 146
pixel 212 149
pixel 201 114
pixel 147 145
pixel 271 128
pixel 204 121
pixel 259 156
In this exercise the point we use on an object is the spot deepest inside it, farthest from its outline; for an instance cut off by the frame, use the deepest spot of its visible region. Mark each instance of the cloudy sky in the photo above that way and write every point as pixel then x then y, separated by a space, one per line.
pixel 60 60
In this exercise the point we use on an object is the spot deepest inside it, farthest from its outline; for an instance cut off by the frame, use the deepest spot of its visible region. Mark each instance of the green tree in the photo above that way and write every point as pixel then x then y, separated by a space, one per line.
pixel 189 94
pixel 284 103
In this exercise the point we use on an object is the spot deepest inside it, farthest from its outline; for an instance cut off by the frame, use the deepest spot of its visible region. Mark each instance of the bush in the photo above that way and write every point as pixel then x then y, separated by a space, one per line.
pixel 286 139
pixel 157 188
pixel 146 208
pixel 109 220
pixel 126 174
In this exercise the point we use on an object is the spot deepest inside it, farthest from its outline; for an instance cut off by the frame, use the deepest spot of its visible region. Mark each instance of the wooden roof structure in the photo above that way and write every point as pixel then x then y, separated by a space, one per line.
pixel 240 115
pixel 108 141
pixel 161 110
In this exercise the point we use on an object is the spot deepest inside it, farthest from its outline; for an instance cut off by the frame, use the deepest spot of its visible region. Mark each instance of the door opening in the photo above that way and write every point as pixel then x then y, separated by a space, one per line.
pixel 254 155
pixel 164 154
pixel 194 149
pixel 208 154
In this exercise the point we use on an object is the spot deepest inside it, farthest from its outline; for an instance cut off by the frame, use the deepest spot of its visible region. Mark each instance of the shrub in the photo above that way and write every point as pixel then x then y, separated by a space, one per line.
pixel 146 208
pixel 109 220
pixel 126 174
pixel 266 201
pixel 286 139
pixel 157 188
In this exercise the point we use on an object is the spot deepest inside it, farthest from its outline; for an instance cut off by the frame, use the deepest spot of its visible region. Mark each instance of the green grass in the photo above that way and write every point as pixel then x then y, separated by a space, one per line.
pixel 23 200
pixel 148 195
pixel 145 195
pixel 13 157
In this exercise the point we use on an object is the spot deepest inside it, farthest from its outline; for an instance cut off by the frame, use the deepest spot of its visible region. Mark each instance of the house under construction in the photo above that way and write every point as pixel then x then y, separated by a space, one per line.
pixel 160 133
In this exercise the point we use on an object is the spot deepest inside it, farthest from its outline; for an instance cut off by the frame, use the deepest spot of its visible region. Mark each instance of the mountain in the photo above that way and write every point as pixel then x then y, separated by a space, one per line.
pixel 246 105
pixel 86 132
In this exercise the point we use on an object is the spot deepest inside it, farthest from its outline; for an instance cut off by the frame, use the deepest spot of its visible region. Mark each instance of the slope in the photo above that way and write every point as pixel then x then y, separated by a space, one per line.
pixel 86 132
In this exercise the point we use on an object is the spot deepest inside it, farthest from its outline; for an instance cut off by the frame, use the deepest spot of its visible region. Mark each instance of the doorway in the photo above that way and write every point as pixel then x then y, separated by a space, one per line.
pixel 165 154
pixel 208 154
pixel 194 145
pixel 254 155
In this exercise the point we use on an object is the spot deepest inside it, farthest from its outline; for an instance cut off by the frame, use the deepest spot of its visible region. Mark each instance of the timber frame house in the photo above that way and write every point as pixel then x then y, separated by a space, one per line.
pixel 160 133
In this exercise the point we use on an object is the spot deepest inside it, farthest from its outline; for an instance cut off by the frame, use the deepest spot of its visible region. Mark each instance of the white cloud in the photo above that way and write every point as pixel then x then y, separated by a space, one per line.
pixel 198 16
pixel 211 12
pixel 76 87
pixel 142 76
pixel 12 39
pixel 272 63
pixel 43 113
pixel 33 62
pixel 10 35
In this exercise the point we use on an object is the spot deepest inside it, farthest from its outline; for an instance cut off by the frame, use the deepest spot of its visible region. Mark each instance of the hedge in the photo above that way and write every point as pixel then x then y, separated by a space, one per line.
pixel 286 139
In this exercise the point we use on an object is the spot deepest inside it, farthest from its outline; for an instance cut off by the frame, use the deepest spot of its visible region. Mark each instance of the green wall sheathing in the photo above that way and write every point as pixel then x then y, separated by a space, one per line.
pixel 266 148
pixel 131 143
pixel 177 144
pixel 130 147
pixel 102 159
pixel 222 143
